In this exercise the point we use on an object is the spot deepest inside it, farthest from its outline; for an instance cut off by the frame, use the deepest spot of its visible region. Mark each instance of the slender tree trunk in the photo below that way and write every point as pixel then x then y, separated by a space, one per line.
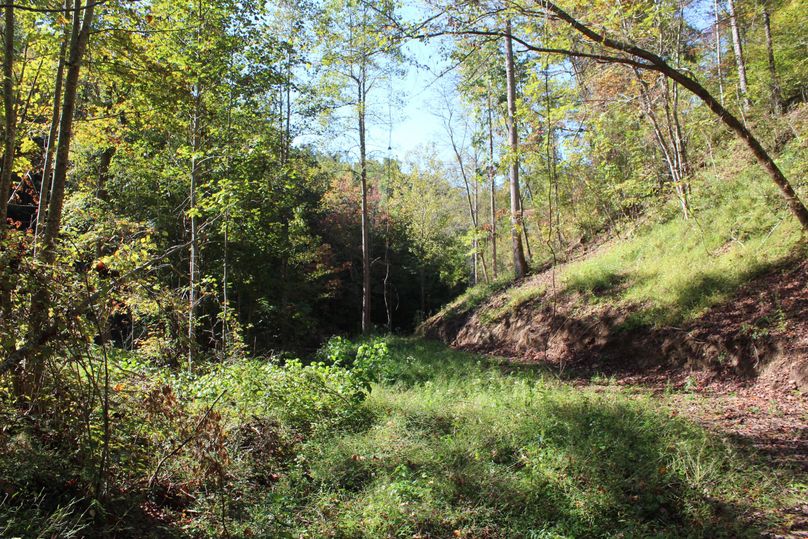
pixel 10 124
pixel 422 282
pixel 104 162
pixel 493 188
pixel 363 176
pixel 7 339
pixel 193 264
pixel 78 44
pixel 480 253
pixel 471 199
pixel 774 83
pixel 718 61
pixel 46 184
pixel 79 36
pixel 737 47
pixel 519 262
pixel 388 307
pixel 225 277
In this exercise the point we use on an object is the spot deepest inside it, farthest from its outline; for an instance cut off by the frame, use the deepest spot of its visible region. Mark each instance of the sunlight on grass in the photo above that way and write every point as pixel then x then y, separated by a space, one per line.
pixel 514 298
pixel 459 448
pixel 677 269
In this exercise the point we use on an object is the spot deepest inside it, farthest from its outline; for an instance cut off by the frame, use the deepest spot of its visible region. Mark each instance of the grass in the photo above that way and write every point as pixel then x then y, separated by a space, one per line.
pixel 459 447
pixel 474 296
pixel 671 270
pixel 674 270
pixel 515 298
pixel 446 444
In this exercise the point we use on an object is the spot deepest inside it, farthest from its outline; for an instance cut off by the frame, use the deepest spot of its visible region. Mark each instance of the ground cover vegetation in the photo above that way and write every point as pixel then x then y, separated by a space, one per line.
pixel 197 198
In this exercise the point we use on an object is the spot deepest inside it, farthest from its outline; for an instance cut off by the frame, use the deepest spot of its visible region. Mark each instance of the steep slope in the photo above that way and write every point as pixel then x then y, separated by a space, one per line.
pixel 725 293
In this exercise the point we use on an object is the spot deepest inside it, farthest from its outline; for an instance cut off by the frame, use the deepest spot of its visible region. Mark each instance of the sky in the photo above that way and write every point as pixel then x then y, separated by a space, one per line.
pixel 411 119
pixel 417 122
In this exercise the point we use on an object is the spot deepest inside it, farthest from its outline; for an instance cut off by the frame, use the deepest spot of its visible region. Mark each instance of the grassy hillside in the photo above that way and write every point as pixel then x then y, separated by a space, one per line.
pixel 667 270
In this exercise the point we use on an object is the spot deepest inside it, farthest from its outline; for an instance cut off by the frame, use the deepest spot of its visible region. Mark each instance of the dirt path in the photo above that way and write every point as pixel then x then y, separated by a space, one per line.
pixel 773 422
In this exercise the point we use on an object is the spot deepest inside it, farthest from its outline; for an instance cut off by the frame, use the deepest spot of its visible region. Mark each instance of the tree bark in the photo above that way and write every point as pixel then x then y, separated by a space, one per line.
pixel 717 39
pixel 46 183
pixel 78 44
pixel 471 198
pixel 193 262
pixel 737 47
pixel 79 36
pixel 492 184
pixel 7 339
pixel 363 176
pixel 519 262
pixel 10 124
pixel 774 83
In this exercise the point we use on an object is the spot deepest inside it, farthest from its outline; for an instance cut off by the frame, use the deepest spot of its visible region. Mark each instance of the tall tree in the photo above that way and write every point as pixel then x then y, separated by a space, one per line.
pixel 492 182
pixel 519 262
pixel 10 120
pixel 775 93
pixel 717 42
pixel 80 35
pixel 358 55
pixel 740 62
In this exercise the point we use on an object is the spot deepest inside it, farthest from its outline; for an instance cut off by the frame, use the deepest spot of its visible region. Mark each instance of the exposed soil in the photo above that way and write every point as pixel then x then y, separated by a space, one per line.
pixel 758 337
pixel 741 369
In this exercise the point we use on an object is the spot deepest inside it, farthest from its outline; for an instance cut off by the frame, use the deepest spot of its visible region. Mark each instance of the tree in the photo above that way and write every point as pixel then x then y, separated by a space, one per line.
pixel 470 183
pixel 737 47
pixel 776 95
pixel 9 118
pixel 358 54
pixel 519 263
pixel 604 48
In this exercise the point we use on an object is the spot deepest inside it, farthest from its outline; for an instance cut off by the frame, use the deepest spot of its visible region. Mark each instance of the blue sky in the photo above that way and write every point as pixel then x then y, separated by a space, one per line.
pixel 411 119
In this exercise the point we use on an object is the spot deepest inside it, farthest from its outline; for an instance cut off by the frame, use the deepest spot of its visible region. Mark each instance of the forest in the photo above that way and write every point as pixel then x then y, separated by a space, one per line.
pixel 413 269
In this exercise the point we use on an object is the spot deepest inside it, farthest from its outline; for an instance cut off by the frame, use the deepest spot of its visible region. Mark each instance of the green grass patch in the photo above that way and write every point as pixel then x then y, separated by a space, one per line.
pixel 460 446
pixel 513 298
pixel 676 269
pixel 445 444
pixel 473 297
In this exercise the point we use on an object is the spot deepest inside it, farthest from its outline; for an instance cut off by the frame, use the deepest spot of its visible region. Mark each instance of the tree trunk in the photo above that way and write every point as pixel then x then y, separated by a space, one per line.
pixel 388 307
pixel 10 127
pixel 78 44
pixel 193 264
pixel 519 262
pixel 79 36
pixel 46 184
pixel 717 39
pixel 774 83
pixel 492 184
pixel 104 161
pixel 422 282
pixel 363 175
pixel 7 339
pixel 471 199
pixel 737 46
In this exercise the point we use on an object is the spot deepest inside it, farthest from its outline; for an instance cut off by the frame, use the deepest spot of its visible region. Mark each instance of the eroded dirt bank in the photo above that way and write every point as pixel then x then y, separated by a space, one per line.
pixel 759 337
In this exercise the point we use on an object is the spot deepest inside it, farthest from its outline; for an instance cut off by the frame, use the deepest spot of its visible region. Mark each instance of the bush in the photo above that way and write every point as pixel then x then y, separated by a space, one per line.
pixel 369 361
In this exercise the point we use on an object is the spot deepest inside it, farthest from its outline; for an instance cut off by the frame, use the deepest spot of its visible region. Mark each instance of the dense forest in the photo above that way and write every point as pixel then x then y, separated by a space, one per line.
pixel 217 240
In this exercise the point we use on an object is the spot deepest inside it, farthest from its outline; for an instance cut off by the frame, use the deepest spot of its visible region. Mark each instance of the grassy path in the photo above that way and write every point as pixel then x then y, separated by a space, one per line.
pixel 456 446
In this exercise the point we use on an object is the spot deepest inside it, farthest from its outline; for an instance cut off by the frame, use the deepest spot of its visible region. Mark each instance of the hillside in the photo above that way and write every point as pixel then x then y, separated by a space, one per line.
pixel 724 294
